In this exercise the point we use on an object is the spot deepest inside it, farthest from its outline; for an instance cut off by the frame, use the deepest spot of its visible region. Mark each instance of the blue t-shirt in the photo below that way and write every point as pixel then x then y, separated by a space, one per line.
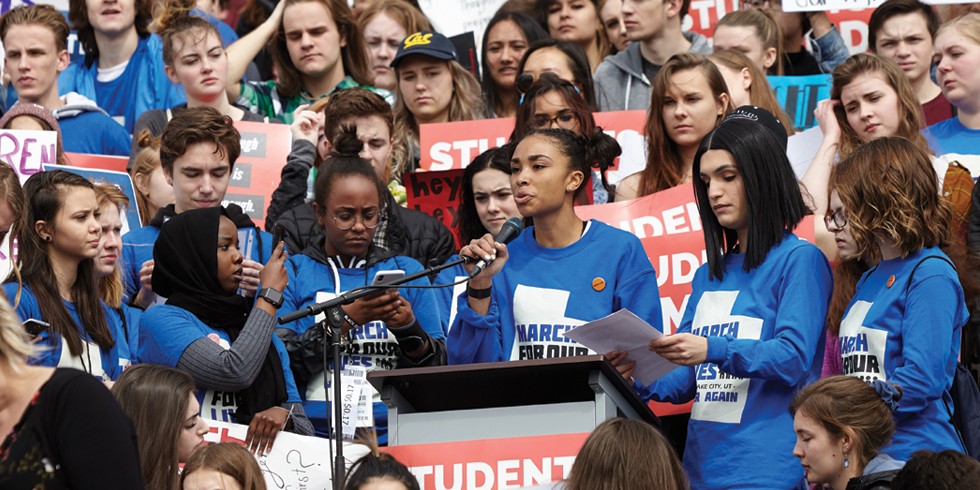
pixel 372 345
pixel 138 248
pixel 910 339
pixel 952 141
pixel 107 365
pixel 166 331
pixel 142 86
pixel 764 329
pixel 543 292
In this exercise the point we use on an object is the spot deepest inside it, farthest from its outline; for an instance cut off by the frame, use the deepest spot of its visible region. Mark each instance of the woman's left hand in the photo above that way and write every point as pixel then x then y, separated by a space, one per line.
pixel 263 429
pixel 682 348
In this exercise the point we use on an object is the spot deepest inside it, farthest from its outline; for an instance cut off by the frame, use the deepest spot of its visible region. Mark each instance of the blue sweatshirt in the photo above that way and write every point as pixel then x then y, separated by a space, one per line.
pixel 543 292
pixel 911 339
pixel 447 295
pixel 372 346
pixel 166 331
pixel 107 365
pixel 142 86
pixel 138 248
pixel 764 328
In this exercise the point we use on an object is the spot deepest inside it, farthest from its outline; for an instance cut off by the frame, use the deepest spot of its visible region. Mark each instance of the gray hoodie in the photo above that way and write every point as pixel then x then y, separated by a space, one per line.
pixel 620 84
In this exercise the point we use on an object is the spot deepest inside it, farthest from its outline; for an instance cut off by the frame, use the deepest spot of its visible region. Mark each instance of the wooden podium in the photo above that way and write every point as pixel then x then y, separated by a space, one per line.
pixel 504 399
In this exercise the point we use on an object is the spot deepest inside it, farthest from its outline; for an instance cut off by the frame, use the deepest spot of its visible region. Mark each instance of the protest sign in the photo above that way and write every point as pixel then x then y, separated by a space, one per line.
pixel 819 5
pixel 104 162
pixel 131 218
pixel 669 227
pixel 436 194
pixel 257 172
pixel 295 461
pixel 26 152
pixel 798 96
pixel 446 146
pixel 491 463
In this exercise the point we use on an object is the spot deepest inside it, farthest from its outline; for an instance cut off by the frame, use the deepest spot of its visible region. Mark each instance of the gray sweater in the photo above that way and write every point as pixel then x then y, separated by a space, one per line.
pixel 620 84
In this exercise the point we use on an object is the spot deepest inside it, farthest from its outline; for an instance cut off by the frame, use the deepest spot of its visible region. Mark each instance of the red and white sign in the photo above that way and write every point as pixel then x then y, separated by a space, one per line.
pixel 491 463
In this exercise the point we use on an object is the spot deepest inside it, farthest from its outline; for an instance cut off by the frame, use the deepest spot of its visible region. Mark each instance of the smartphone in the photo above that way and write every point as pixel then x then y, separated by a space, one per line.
pixel 385 277
pixel 278 234
pixel 34 327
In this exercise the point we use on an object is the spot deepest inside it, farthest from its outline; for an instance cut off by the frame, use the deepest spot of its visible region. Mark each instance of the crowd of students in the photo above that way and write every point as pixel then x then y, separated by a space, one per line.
pixel 837 357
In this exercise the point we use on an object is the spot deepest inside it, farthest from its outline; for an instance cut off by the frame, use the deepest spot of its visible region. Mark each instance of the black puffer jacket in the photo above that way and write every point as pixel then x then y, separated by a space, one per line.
pixel 881 480
pixel 407 232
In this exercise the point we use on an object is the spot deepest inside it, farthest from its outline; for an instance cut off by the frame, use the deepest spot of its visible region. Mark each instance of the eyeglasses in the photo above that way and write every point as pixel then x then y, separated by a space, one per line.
pixel 346 221
pixel 565 119
pixel 838 218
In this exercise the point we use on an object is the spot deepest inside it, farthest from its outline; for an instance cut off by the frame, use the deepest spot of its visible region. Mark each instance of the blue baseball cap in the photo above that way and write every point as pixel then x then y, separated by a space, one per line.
pixel 426 43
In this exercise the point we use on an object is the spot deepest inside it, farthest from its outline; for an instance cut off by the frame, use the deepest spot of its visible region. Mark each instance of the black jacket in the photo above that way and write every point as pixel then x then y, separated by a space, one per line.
pixel 407 232
pixel 874 481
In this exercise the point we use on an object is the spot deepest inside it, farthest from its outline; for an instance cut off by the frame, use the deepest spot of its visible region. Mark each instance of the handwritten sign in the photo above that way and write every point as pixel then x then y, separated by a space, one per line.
pixel 257 172
pixel 491 463
pixel 436 194
pixel 26 152
pixel 295 461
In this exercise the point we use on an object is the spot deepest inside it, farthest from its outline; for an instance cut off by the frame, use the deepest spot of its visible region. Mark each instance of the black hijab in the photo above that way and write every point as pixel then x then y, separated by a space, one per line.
pixel 185 271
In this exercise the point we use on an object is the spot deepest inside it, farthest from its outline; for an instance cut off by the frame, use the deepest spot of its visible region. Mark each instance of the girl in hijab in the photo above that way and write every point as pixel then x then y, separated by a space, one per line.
pixel 218 336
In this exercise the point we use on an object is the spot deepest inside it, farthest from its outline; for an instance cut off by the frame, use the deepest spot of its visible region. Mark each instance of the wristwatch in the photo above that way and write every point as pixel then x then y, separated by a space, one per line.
pixel 273 296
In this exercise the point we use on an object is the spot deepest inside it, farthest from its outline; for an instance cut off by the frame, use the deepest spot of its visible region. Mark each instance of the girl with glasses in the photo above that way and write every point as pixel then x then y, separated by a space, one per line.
pixel 556 103
pixel 391 329
pixel 903 323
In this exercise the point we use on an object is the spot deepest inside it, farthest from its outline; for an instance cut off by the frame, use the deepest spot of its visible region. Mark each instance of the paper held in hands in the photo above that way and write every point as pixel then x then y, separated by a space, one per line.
pixel 625 332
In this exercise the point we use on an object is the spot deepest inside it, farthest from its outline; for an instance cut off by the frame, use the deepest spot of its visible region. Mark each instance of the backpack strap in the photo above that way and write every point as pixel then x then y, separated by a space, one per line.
pixel 923 259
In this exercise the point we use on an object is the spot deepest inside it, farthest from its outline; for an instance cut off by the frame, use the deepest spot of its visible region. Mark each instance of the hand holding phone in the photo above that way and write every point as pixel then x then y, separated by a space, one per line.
pixel 34 327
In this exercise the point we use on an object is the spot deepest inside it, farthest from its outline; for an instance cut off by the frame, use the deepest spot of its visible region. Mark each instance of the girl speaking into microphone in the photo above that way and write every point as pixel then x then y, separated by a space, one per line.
pixel 558 274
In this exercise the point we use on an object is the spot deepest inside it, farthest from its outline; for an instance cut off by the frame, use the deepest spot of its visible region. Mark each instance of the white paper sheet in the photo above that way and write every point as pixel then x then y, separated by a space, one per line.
pixel 624 331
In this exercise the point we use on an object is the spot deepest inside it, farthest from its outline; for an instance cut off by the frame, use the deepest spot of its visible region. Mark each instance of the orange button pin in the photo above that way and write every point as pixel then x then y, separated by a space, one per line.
pixel 891 280
pixel 598 284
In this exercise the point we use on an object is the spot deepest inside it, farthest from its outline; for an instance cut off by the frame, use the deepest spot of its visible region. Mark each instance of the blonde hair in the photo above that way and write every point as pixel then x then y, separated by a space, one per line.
pixel 466 104
pixel 760 92
pixel 15 345
pixel 146 161
pixel 766 28
pixel 910 111
pixel 111 286
pixel 967 24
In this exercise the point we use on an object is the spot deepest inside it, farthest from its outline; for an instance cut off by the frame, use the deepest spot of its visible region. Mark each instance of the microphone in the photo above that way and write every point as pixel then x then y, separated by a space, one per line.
pixel 508 232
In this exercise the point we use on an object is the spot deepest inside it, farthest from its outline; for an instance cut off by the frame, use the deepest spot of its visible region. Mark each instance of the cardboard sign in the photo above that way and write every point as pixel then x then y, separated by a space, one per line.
pixel 447 146
pixel 131 218
pixel 798 96
pixel 817 5
pixel 436 194
pixel 103 162
pixel 26 152
pixel 669 226
pixel 295 461
pixel 491 463
pixel 257 172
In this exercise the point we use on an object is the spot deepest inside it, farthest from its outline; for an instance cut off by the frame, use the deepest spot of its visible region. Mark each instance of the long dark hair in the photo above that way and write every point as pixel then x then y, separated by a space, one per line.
pixel 772 194
pixel 46 193
pixel 578 62
pixel 532 32
pixel 468 226
pixel 156 398
pixel 548 82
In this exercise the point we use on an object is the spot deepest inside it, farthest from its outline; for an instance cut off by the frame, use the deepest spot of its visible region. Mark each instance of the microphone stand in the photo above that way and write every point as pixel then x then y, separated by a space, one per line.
pixel 333 326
